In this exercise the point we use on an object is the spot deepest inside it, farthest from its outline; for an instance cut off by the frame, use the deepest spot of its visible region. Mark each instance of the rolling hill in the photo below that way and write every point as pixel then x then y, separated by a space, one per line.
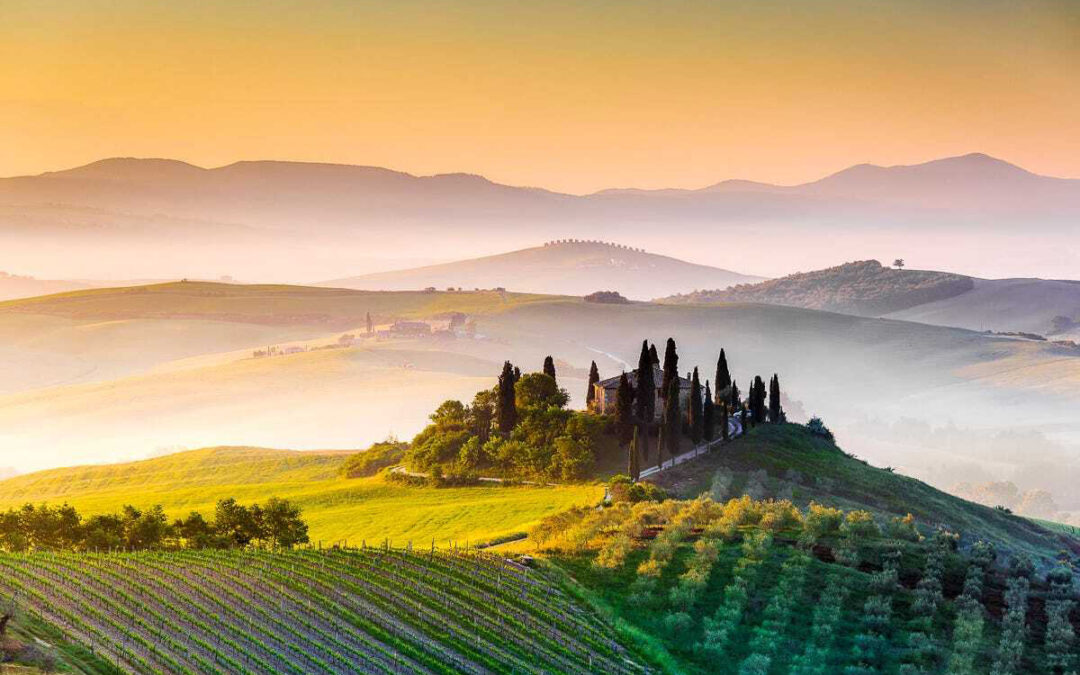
pixel 866 288
pixel 151 218
pixel 172 366
pixel 336 509
pixel 560 268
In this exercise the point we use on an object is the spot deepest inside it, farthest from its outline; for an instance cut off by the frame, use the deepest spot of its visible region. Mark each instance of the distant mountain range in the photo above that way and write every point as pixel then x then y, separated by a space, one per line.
pixel 155 217
pixel 562 268
pixel 867 288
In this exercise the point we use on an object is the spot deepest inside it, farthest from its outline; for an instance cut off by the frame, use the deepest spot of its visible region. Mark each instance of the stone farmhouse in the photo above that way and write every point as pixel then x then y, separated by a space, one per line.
pixel 604 392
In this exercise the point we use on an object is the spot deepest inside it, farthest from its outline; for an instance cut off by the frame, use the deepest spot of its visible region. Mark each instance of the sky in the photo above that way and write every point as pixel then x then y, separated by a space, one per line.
pixel 569 95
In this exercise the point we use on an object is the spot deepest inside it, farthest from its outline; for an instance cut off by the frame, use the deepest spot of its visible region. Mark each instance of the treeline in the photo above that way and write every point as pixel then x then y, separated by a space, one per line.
pixel 521 428
pixel 275 524
pixel 701 415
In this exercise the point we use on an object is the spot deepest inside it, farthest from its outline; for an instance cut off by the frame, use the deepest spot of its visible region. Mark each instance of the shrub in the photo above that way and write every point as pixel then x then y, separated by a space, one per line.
pixel 860 525
pixel 903 529
pixel 376 458
pixel 818 428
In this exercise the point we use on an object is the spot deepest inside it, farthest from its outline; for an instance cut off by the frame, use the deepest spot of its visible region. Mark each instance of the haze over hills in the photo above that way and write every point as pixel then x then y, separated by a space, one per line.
pixel 867 288
pixel 562 268
pixel 312 221
pixel 120 373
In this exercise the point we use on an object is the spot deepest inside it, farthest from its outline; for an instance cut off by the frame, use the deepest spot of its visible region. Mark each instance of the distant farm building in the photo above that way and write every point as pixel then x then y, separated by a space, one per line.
pixel 604 391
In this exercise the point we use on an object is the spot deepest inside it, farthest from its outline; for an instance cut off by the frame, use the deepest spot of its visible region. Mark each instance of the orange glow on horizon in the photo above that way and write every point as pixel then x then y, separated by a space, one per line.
pixel 564 95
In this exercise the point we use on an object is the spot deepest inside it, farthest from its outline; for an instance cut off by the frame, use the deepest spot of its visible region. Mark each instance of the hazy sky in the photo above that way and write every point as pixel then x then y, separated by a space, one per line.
pixel 571 95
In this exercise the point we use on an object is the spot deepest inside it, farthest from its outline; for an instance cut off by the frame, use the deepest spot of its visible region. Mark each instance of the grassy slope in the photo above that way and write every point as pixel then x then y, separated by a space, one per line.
pixel 71 657
pixel 260 303
pixel 804 468
pixel 335 508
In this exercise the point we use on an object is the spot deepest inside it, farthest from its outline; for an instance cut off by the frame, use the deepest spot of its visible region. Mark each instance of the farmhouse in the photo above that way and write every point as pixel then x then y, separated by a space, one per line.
pixel 604 390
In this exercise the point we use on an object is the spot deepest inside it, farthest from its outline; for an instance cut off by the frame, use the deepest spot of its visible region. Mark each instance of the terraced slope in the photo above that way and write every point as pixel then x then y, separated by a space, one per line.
pixel 314 611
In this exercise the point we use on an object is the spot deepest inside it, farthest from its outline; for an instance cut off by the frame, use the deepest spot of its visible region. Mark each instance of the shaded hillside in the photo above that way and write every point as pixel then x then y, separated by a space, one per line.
pixel 864 288
pixel 788 462
pixel 1040 306
pixel 562 268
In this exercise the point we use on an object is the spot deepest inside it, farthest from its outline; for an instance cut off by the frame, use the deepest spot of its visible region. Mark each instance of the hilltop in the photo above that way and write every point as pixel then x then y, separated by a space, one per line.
pixel 570 267
pixel 867 288
pixel 863 288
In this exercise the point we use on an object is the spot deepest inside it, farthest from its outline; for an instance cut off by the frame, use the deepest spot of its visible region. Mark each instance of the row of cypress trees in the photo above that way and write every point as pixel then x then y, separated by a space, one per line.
pixel 708 413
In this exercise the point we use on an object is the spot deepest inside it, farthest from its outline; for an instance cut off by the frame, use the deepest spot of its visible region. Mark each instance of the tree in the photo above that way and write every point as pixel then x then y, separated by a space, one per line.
pixel 723 375
pixel 506 412
pixel 645 397
pixel 370 325
pixel 538 390
pixel 653 356
pixel 708 421
pixel 481 413
pixel 671 367
pixel 549 367
pixel 776 411
pixel 236 522
pixel 634 457
pixel 724 432
pixel 757 401
pixel 194 530
pixel 735 402
pixel 697 423
pixel 282 523
pixel 594 379
pixel 624 410
pixel 672 418
pixel 898 263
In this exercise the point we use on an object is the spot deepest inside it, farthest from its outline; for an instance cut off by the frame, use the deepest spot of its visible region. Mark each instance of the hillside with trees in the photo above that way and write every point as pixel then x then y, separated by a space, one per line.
pixel 863 288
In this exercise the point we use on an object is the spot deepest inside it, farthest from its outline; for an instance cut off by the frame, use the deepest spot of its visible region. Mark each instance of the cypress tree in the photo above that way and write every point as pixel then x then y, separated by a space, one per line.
pixel 672 418
pixel 645 396
pixel 735 402
pixel 624 410
pixel 724 432
pixel 723 376
pixel 506 414
pixel 370 325
pixel 549 367
pixel 634 458
pixel 671 367
pixel 776 411
pixel 757 401
pixel 697 423
pixel 517 374
pixel 708 422
pixel 653 356
pixel 594 378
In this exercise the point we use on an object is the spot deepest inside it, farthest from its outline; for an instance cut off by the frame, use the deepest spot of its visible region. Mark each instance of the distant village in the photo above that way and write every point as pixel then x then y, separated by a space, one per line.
pixel 448 326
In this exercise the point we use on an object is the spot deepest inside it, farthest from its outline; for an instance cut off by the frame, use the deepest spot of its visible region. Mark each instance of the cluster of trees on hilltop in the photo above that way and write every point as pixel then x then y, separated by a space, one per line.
pixel 706 415
pixel 520 428
pixel 275 524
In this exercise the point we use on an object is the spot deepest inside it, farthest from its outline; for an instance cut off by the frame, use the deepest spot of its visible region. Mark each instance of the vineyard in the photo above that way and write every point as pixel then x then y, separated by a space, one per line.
pixel 371 610
pixel 759 587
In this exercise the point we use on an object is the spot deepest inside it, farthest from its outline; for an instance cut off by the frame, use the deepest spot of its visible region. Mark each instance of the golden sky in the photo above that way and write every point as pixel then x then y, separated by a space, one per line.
pixel 572 95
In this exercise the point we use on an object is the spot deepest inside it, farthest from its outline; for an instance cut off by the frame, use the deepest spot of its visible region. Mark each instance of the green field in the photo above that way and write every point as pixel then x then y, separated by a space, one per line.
pixel 330 611
pixel 336 509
